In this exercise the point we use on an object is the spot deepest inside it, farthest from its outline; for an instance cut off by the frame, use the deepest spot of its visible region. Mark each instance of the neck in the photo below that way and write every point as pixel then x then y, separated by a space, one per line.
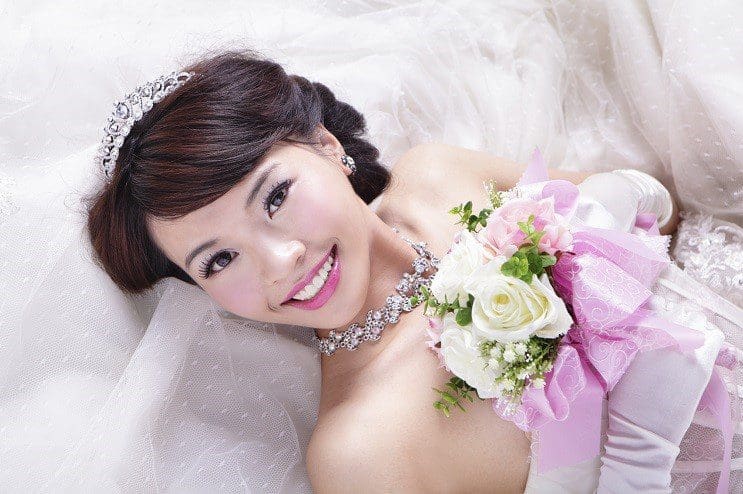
pixel 391 256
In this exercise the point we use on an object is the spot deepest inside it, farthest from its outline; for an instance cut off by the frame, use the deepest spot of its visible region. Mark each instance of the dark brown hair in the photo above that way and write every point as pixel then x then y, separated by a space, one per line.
pixel 200 141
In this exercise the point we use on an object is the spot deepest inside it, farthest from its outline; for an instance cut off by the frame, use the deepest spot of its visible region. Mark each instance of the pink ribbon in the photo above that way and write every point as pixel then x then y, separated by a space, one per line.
pixel 606 279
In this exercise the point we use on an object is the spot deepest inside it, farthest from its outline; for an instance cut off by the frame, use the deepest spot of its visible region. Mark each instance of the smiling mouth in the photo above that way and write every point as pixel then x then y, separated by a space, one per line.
pixel 332 253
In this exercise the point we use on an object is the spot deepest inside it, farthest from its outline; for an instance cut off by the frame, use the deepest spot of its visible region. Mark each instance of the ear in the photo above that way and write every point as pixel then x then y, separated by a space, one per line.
pixel 328 142
pixel 331 147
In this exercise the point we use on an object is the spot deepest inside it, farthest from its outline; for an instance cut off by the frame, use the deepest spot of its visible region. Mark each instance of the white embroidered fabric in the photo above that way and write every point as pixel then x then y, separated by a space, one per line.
pixel 165 393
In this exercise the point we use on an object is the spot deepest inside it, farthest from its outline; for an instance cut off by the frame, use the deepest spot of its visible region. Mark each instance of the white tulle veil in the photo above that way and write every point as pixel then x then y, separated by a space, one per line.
pixel 166 392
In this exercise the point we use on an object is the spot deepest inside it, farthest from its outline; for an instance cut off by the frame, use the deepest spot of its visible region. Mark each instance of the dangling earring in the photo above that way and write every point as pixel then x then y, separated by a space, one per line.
pixel 348 161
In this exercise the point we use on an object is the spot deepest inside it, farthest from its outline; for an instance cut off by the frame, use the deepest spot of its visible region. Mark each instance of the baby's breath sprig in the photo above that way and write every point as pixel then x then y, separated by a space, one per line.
pixel 527 261
pixel 459 389
pixel 520 363
pixel 464 211
pixel 494 195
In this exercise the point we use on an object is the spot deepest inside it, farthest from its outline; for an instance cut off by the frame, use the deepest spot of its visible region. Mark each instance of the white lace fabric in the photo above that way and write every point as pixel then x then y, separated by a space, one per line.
pixel 711 251
pixel 164 393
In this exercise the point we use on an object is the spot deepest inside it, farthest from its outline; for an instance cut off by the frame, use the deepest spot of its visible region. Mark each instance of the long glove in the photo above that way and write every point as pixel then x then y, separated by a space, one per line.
pixel 613 199
pixel 653 404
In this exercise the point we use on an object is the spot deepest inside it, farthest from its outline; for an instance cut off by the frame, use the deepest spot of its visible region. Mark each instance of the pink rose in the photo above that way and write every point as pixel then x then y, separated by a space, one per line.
pixel 556 237
pixel 503 235
pixel 434 330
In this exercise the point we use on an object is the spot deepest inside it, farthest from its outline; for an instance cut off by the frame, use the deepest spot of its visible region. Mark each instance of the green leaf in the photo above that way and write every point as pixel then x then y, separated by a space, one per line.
pixel 535 263
pixel 526 226
pixel 522 264
pixel 441 406
pixel 508 268
pixel 448 398
pixel 536 236
pixel 548 260
pixel 464 316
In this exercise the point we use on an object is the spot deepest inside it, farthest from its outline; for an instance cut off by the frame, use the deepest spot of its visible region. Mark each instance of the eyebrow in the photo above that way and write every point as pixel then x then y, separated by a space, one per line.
pixel 251 198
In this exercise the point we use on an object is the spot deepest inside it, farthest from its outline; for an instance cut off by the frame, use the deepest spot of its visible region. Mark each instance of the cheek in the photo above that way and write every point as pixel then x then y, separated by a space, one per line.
pixel 239 299
pixel 318 211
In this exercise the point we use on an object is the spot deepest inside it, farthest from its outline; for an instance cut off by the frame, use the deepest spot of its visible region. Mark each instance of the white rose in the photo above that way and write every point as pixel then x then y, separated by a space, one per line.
pixel 465 257
pixel 508 309
pixel 459 348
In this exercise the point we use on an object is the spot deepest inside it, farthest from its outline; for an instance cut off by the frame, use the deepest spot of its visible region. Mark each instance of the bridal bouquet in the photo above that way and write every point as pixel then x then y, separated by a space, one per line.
pixel 498 320
pixel 542 313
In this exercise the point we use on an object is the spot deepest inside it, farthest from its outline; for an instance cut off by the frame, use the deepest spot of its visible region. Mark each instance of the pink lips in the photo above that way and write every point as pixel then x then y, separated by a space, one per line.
pixel 307 279
pixel 327 290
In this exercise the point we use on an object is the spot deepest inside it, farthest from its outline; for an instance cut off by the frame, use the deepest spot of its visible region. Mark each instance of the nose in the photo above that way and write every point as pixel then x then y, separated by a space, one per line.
pixel 282 262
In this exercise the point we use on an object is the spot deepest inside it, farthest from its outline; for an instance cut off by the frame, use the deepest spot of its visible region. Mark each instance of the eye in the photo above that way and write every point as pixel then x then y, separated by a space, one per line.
pixel 277 192
pixel 207 266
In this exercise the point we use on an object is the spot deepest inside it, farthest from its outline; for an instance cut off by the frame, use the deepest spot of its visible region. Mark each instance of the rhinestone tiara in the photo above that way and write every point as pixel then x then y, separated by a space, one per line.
pixel 131 109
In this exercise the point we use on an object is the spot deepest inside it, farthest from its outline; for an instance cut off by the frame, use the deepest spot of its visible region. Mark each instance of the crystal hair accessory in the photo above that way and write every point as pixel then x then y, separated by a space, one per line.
pixel 131 109
pixel 376 319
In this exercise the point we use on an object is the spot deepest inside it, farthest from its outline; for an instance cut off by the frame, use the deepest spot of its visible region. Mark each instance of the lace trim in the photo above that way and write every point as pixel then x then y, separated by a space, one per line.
pixel 711 251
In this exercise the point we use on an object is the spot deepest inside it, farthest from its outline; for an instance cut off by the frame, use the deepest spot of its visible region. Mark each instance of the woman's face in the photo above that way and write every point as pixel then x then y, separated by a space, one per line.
pixel 263 247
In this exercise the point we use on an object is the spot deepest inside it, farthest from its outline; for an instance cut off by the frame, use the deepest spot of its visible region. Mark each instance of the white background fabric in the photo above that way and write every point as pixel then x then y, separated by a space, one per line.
pixel 161 392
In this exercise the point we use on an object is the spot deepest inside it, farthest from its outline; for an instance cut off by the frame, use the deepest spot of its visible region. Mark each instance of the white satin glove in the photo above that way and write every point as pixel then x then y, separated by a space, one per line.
pixel 650 409
pixel 613 199
pixel 653 404
pixel 652 196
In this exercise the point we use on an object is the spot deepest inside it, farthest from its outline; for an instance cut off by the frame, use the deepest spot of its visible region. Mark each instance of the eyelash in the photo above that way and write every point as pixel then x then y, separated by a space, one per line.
pixel 206 266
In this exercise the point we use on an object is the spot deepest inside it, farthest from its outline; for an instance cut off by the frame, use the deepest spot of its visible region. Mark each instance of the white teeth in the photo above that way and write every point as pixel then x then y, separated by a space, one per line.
pixel 317 282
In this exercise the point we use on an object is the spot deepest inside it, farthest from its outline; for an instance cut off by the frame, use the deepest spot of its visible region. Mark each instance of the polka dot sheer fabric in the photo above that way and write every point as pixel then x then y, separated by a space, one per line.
pixel 166 392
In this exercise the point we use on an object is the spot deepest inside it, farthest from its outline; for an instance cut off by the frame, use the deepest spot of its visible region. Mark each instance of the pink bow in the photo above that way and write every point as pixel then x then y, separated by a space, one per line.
pixel 606 279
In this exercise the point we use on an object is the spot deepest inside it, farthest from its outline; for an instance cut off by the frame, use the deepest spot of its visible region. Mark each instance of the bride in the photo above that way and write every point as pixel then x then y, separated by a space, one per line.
pixel 259 188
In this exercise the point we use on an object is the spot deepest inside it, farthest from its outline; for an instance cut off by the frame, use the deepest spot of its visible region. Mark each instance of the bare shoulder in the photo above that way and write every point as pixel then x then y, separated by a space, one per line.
pixel 394 441
pixel 358 457
pixel 441 176
pixel 438 163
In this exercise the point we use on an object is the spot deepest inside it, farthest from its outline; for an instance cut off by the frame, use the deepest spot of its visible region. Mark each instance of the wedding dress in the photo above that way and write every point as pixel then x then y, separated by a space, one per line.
pixel 164 392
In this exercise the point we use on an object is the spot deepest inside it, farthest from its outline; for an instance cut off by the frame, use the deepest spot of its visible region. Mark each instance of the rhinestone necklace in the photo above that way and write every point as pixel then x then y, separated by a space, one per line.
pixel 377 319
